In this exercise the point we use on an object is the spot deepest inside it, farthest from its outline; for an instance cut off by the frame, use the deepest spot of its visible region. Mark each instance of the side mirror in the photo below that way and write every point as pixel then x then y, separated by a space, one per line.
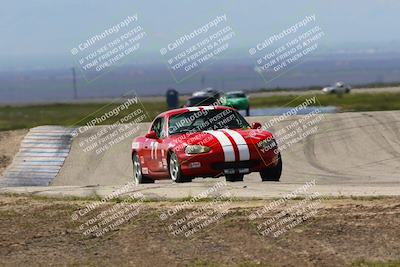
pixel 151 135
pixel 256 125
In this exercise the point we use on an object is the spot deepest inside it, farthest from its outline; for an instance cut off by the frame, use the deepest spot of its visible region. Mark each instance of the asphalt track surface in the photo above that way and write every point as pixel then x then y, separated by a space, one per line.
pixel 354 153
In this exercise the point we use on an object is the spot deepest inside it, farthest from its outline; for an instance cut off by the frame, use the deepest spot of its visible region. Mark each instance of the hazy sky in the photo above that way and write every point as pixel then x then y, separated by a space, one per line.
pixel 45 30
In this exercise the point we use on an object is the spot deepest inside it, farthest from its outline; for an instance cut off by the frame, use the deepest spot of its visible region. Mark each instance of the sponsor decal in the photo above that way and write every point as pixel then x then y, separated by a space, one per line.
pixel 195 165
pixel 135 145
pixel 164 162
pixel 145 170
pixel 244 170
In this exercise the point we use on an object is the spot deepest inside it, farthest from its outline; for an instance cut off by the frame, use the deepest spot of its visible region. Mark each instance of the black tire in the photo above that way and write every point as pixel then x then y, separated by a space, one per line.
pixel 138 176
pixel 273 173
pixel 234 177
pixel 248 111
pixel 174 170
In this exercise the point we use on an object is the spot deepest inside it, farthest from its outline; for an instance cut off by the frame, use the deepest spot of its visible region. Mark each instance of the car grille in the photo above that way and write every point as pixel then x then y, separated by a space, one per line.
pixel 235 165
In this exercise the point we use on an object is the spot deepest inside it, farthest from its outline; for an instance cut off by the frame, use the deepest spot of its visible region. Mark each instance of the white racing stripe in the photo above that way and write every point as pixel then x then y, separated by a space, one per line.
pixel 229 152
pixel 208 107
pixel 244 153
pixel 135 145
pixel 193 108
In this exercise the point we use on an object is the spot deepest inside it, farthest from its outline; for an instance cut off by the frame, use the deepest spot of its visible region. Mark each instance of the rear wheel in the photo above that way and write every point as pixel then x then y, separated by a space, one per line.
pixel 138 176
pixel 174 169
pixel 234 177
pixel 272 173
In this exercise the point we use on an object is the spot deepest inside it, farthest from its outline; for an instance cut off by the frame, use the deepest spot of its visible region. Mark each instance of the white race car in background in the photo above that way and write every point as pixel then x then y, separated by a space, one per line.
pixel 339 88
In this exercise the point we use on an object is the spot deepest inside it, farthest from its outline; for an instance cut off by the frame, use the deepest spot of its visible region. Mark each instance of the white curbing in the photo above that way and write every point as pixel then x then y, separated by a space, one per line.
pixel 40 158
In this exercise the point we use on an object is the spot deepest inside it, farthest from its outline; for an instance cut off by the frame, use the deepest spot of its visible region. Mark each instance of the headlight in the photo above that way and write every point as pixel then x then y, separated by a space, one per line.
pixel 196 149
pixel 267 144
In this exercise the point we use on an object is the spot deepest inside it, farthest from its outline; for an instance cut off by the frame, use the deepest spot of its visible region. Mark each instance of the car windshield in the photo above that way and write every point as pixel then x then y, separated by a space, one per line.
pixel 197 121
pixel 200 101
pixel 238 95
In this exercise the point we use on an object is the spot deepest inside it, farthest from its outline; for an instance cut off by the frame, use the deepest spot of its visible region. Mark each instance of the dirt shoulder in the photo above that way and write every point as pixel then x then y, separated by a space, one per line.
pixel 352 232
pixel 9 146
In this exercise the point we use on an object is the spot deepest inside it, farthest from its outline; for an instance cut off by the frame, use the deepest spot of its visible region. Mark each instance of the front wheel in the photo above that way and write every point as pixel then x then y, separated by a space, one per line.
pixel 175 172
pixel 272 173
pixel 138 176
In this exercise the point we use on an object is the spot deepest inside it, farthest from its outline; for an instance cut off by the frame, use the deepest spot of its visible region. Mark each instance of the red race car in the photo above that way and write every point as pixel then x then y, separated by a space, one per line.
pixel 207 141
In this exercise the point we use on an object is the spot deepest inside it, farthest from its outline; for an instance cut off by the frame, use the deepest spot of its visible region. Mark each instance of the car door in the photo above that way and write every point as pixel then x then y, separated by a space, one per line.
pixel 155 146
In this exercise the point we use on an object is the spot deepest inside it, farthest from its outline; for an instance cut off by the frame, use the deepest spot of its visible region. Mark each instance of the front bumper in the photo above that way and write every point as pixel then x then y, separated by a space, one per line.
pixel 239 105
pixel 212 164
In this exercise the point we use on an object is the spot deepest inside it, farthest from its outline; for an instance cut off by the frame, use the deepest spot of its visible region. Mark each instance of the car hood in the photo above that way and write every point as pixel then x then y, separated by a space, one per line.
pixel 221 136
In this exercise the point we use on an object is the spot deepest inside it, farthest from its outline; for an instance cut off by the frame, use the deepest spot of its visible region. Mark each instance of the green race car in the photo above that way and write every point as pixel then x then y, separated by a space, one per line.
pixel 237 100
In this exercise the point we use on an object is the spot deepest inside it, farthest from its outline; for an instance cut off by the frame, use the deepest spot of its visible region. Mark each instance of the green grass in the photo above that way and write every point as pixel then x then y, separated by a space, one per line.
pixel 18 117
